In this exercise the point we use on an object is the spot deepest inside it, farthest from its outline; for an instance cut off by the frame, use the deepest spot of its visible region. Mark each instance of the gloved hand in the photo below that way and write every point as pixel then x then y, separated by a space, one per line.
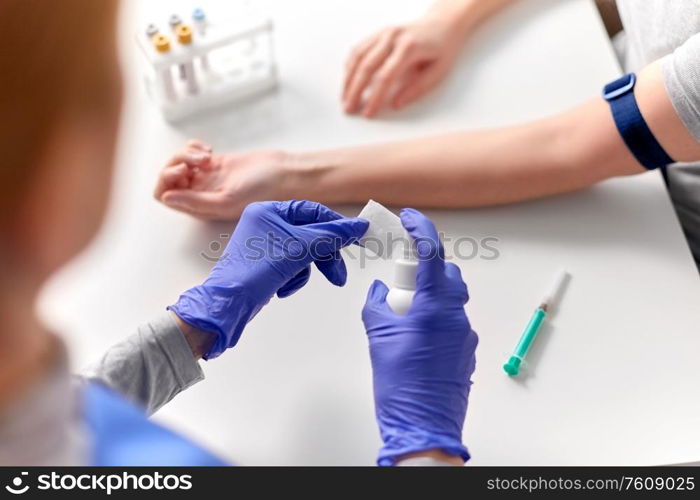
pixel 270 252
pixel 422 362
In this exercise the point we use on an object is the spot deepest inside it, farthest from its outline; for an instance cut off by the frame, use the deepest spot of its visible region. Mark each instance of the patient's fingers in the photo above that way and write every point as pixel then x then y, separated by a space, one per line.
pixel 197 144
pixel 173 177
pixel 202 204
pixel 386 77
pixel 354 60
pixel 365 70
pixel 191 157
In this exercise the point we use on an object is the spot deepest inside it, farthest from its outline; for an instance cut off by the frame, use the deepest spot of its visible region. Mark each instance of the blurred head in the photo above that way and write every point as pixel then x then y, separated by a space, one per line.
pixel 60 93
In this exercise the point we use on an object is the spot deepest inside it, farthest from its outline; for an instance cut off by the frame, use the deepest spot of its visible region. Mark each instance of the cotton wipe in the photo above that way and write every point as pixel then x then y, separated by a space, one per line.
pixel 385 236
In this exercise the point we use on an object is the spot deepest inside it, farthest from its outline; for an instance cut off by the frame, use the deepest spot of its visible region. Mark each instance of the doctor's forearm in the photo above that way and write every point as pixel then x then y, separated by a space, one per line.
pixel 151 366
pixel 199 342
pixel 473 168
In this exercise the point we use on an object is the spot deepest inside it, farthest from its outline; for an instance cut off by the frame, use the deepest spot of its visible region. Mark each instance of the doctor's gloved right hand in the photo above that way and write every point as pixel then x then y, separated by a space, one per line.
pixel 422 362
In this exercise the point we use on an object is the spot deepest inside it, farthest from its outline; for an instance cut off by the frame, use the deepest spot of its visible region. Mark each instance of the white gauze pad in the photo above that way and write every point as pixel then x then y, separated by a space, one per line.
pixel 385 236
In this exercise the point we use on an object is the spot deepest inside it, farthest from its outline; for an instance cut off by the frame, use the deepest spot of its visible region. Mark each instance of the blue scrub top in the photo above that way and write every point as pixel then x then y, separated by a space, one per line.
pixel 122 435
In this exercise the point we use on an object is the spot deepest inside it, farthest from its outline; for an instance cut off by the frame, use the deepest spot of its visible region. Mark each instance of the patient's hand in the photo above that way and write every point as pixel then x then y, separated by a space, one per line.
pixel 400 64
pixel 219 186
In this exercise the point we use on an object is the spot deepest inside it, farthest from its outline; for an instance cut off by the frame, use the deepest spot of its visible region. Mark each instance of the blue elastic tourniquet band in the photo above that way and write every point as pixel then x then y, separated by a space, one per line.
pixel 631 125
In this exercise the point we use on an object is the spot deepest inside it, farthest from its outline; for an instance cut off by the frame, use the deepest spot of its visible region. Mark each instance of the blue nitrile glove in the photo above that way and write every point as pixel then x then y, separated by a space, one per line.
pixel 422 362
pixel 270 252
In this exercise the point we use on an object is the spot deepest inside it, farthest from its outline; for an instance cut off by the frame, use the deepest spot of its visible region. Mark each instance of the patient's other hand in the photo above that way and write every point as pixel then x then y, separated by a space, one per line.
pixel 219 186
pixel 400 64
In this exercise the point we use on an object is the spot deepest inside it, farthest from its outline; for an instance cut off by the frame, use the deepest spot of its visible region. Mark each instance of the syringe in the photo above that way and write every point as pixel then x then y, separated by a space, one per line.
pixel 512 367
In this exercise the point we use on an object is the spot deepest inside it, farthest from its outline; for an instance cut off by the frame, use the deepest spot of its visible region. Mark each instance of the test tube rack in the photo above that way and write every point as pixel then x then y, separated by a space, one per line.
pixel 200 65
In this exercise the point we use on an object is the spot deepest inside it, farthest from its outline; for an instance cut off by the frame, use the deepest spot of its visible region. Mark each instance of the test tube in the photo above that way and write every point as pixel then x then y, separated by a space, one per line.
pixel 174 21
pixel 162 46
pixel 200 23
pixel 184 36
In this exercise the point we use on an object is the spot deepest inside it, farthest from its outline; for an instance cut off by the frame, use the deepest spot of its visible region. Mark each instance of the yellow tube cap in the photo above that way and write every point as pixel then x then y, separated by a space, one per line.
pixel 184 34
pixel 161 43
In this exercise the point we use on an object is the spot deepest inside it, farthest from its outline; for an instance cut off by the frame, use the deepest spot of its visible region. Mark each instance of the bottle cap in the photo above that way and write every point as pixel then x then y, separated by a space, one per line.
pixel 184 34
pixel 161 43
pixel 151 30
pixel 174 21
pixel 405 271
pixel 198 14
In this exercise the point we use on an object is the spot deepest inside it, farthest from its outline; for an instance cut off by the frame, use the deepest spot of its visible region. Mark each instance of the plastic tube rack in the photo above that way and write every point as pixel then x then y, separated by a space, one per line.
pixel 198 65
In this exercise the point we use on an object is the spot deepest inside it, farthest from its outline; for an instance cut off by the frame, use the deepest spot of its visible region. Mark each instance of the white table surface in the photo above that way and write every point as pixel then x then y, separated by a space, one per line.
pixel 614 374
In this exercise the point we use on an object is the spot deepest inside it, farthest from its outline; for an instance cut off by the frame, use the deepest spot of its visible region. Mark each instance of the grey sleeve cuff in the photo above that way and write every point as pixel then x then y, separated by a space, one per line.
pixel 151 366
pixel 681 75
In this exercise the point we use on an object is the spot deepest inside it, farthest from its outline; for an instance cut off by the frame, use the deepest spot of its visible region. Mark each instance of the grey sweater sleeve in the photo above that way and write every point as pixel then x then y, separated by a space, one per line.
pixel 151 366
pixel 681 75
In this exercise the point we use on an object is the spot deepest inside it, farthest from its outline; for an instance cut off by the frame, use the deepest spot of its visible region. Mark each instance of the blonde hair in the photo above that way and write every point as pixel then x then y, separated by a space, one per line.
pixel 57 59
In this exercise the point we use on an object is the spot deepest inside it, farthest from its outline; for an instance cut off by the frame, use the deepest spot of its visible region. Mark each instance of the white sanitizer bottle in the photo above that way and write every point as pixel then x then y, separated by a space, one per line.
pixel 401 293
pixel 385 237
